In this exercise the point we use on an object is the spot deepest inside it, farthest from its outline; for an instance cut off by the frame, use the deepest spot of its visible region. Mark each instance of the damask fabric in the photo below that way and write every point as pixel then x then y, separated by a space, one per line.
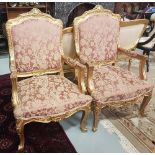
pixel 39 137
pixel 36 45
pixel 98 37
pixel 48 95
pixel 113 83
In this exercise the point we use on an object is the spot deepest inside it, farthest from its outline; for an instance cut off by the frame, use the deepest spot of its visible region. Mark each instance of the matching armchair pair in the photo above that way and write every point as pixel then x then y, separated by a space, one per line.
pixel 41 93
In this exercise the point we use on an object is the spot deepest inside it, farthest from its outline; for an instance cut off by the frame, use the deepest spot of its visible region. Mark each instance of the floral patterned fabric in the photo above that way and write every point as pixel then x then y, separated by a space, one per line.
pixel 48 95
pixel 98 37
pixel 115 84
pixel 36 45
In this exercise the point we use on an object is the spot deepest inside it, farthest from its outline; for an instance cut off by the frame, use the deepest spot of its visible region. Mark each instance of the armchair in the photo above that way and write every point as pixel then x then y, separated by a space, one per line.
pixel 96 35
pixel 130 33
pixel 43 94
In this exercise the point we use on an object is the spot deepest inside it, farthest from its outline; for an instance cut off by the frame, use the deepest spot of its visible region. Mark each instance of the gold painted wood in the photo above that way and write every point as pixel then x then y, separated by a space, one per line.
pixel 137 56
pixel 37 14
pixel 98 9
pixel 96 106
pixel 80 72
pixel 68 30
pixel 33 14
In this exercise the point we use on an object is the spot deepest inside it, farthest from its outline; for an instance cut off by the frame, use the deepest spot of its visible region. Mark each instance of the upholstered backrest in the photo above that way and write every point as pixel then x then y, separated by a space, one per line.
pixel 68 43
pixel 96 35
pixel 131 32
pixel 35 42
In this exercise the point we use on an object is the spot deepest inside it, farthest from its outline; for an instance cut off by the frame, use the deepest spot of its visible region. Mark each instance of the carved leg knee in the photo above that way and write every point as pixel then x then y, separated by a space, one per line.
pixel 20 131
pixel 85 115
pixel 96 112
pixel 144 104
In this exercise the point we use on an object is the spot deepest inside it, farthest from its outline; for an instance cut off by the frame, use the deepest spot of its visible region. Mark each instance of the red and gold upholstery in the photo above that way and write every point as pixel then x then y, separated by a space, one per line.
pixel 95 44
pixel 96 38
pixel 113 84
pixel 34 46
pixel 44 95
pixel 48 95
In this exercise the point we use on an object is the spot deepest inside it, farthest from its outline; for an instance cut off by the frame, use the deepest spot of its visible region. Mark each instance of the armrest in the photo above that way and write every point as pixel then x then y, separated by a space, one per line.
pixel 13 77
pixel 73 63
pixel 90 83
pixel 80 72
pixel 137 56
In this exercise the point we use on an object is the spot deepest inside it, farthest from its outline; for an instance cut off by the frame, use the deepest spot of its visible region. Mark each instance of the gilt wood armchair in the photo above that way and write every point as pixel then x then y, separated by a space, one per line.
pixel 96 35
pixel 130 33
pixel 44 95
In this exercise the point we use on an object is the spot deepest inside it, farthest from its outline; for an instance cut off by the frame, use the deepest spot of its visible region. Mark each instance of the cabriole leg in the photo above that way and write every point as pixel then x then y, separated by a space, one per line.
pixel 20 131
pixel 84 119
pixel 145 102
pixel 96 112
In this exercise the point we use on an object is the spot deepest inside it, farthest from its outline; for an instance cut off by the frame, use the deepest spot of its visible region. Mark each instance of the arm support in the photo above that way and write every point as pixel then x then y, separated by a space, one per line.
pixel 137 56
pixel 13 77
pixel 90 84
pixel 81 71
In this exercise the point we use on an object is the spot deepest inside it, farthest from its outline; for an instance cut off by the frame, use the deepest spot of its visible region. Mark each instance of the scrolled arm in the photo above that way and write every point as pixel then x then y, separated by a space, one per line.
pixel 80 71
pixel 13 77
pixel 137 56
pixel 73 63
pixel 90 83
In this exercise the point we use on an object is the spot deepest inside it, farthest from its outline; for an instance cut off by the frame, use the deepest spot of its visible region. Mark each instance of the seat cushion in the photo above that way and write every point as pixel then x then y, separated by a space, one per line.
pixel 48 95
pixel 113 83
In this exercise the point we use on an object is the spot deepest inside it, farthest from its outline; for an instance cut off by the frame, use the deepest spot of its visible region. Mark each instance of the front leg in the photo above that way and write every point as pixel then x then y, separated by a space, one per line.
pixel 145 102
pixel 96 112
pixel 84 119
pixel 20 130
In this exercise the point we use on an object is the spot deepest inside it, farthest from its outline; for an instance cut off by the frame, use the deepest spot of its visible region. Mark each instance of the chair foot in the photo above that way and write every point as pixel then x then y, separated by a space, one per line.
pixel 20 148
pixel 145 102
pixel 20 131
pixel 96 112
pixel 94 129
pixel 84 118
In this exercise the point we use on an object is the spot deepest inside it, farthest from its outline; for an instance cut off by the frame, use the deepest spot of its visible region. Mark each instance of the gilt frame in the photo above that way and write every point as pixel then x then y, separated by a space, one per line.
pixel 37 14
pixel 68 30
pixel 96 107
pixel 98 9
pixel 33 14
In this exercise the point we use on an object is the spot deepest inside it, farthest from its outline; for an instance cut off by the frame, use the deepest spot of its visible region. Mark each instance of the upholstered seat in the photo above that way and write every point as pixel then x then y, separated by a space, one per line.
pixel 98 45
pixel 114 84
pixel 48 95
pixel 36 55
